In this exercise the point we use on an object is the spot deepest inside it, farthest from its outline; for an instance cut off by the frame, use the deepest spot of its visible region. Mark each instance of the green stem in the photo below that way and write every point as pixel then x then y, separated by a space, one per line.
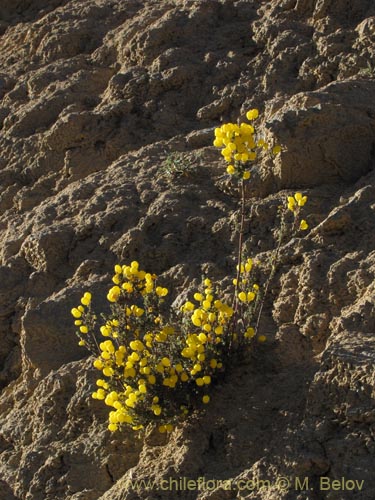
pixel 271 275
pixel 233 321
pixel 240 245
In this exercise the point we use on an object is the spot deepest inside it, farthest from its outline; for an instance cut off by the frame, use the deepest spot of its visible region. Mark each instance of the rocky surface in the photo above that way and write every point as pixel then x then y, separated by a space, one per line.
pixel 95 96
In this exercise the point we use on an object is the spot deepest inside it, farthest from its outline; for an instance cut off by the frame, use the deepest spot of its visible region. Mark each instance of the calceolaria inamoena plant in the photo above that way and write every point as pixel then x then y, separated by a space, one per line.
pixel 155 368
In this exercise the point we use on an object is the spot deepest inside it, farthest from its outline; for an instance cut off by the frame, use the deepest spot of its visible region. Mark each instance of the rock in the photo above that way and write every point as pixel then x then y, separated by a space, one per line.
pixel 336 127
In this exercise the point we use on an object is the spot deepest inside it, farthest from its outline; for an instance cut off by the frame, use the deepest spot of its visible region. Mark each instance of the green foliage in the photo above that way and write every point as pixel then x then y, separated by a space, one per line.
pixel 178 164
pixel 156 364
pixel 369 71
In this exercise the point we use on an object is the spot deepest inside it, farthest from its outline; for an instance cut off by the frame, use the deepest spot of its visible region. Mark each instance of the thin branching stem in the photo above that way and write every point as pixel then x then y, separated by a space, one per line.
pixel 235 304
pixel 274 259
pixel 240 246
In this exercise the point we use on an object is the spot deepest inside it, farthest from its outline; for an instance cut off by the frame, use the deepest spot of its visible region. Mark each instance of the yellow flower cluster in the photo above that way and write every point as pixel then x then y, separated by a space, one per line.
pixel 247 293
pixel 153 371
pixel 213 330
pixel 129 278
pixel 239 145
pixel 294 203
pixel 78 315
pixel 143 358
pixel 298 200
pixel 246 290
pixel 211 314
pixel 147 373
pixel 144 373
pixel 125 400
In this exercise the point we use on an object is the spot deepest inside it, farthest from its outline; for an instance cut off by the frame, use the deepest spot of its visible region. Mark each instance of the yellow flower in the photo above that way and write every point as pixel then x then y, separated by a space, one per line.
pixel 252 114
pixel 107 346
pixel 105 331
pixel 114 294
pixel 166 362
pixel 242 296
pixel 241 269
pixel 250 332
pixel 98 364
pixel 203 337
pixel 128 287
pixel 291 203
pixel 188 306
pixel 108 371
pixel 211 318
pixel 138 311
pixel 136 345
pixel 300 199
pixel 246 175
pixel 276 150
pixel 206 399
pixel 76 313
pixel 196 321
pixel 206 304
pixel 248 265
pixel 161 292
pixel 303 226
pixel 116 279
pixel 213 363
pixel 86 299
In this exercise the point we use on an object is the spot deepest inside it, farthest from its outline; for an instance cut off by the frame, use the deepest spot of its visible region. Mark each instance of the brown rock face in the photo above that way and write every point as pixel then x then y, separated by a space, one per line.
pixel 95 95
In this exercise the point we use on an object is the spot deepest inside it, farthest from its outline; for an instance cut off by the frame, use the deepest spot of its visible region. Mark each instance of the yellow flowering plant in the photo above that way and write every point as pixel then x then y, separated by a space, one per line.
pixel 156 365
pixel 151 370
pixel 240 146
